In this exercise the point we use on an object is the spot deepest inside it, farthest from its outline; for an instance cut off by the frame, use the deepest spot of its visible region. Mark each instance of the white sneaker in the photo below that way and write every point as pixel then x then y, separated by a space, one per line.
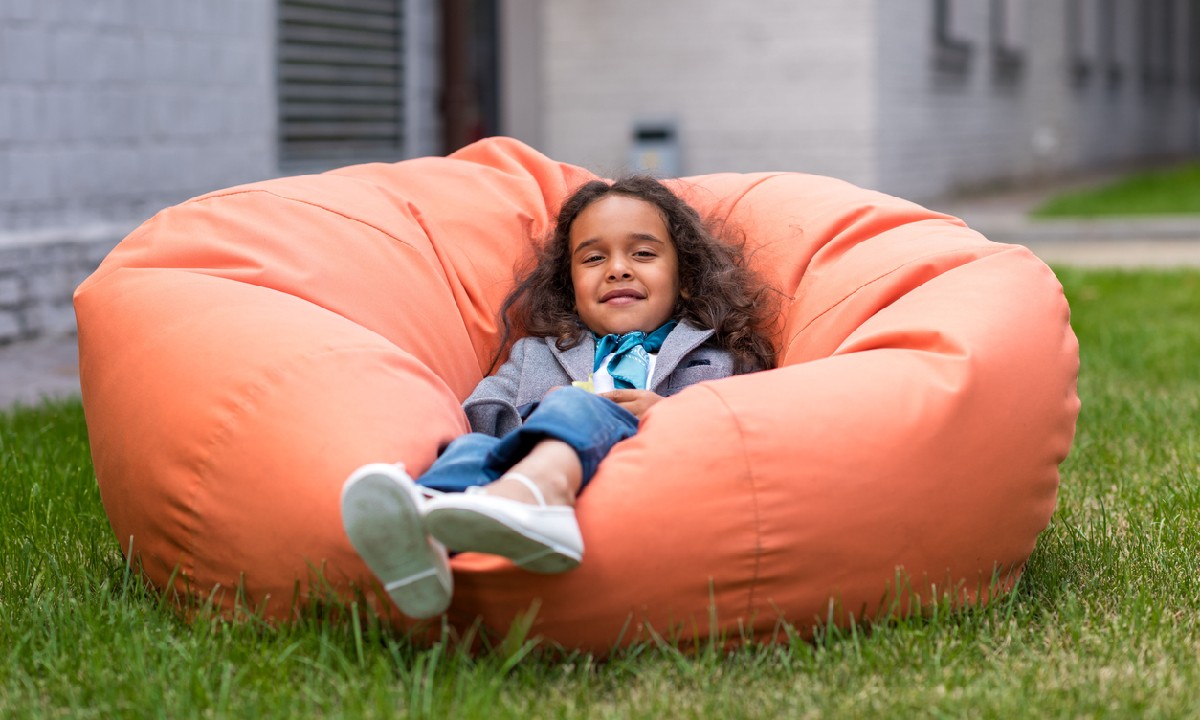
pixel 540 538
pixel 381 511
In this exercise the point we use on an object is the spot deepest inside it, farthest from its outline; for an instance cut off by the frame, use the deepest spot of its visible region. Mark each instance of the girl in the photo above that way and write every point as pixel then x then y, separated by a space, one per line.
pixel 631 300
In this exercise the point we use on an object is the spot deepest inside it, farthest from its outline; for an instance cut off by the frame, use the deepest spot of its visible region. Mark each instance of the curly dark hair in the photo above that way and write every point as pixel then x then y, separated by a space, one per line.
pixel 716 289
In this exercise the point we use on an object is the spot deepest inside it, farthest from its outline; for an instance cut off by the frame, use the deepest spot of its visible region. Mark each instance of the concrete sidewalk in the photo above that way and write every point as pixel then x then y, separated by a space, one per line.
pixel 36 370
pixel 48 368
pixel 1114 242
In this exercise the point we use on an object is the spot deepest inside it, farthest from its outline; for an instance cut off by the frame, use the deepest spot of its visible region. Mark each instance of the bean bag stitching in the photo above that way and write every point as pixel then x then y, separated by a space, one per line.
pixel 733 206
pixel 265 378
pixel 852 293
pixel 457 285
pixel 758 539
pixel 417 218
pixel 742 196
pixel 221 433
pixel 311 203
pixel 241 406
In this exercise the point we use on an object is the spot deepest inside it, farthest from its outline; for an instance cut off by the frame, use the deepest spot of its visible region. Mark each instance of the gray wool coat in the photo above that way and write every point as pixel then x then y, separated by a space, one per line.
pixel 501 401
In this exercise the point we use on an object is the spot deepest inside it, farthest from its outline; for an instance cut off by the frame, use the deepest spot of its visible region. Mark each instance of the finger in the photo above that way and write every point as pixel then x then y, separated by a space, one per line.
pixel 618 396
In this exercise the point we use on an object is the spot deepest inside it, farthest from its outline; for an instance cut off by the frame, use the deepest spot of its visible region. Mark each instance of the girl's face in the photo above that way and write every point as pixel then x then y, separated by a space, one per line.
pixel 623 265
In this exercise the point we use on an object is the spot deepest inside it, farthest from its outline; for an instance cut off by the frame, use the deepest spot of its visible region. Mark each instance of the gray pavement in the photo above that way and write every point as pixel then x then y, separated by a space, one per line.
pixel 35 370
pixel 1117 242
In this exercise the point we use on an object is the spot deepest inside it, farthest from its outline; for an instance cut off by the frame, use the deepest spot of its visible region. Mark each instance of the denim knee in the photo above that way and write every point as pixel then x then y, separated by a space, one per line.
pixel 462 464
pixel 590 424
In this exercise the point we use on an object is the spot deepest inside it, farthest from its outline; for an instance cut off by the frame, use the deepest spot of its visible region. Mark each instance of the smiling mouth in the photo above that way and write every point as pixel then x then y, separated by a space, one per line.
pixel 622 296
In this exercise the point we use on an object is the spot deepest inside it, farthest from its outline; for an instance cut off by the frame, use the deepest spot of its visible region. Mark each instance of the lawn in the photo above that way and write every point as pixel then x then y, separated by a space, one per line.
pixel 1105 622
pixel 1172 191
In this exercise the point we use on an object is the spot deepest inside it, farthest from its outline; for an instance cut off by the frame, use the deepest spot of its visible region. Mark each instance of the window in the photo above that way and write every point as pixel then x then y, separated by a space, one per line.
pixel 1083 38
pixel 1194 44
pixel 341 81
pixel 1009 30
pixel 1145 24
pixel 1156 43
pixel 950 31
pixel 1109 45
pixel 1167 12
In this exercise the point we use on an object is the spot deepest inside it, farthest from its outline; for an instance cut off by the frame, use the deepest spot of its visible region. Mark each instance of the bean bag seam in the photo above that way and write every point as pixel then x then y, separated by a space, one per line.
pixel 874 280
pixel 758 539
pixel 417 218
pixel 733 206
pixel 219 437
pixel 266 378
pixel 310 203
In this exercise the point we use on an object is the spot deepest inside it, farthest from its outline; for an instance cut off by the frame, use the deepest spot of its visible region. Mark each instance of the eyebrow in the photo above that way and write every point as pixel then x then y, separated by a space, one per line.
pixel 643 237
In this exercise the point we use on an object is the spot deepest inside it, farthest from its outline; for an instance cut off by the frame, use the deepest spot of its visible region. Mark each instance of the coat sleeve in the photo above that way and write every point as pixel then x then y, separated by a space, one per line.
pixel 492 407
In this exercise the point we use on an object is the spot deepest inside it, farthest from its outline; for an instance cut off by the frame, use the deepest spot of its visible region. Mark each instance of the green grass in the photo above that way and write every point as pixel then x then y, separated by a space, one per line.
pixel 1106 621
pixel 1174 191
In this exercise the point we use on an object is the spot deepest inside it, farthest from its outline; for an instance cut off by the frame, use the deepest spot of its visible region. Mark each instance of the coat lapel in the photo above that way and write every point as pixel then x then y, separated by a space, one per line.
pixel 682 340
pixel 577 361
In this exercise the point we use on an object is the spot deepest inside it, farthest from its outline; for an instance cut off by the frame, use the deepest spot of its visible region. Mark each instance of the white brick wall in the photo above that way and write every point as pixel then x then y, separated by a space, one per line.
pixel 1130 120
pixel 769 85
pixel 113 109
pixel 943 131
pixel 38 273
pixel 849 88
pixel 938 127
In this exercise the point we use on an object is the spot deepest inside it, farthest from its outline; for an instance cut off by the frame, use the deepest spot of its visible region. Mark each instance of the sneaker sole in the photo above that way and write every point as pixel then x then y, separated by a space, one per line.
pixel 384 525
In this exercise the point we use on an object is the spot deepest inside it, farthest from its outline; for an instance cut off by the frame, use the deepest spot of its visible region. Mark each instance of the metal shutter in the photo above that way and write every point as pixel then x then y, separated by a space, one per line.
pixel 341 80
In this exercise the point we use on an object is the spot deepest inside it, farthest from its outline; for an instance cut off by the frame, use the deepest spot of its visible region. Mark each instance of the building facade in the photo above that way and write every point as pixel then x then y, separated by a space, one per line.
pixel 913 97
pixel 113 109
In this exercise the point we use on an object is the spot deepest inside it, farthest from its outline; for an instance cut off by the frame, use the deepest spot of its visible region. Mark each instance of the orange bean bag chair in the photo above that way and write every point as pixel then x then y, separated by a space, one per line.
pixel 242 353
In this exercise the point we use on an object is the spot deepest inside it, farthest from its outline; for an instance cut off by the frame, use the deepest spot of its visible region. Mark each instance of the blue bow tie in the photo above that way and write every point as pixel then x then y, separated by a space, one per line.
pixel 630 364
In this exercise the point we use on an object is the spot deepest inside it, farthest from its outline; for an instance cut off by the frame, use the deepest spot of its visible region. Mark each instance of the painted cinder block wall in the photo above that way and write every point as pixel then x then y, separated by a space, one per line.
pixel 109 111
pixel 113 109
pixel 770 85
pixel 1136 117
pixel 947 130
pixel 854 89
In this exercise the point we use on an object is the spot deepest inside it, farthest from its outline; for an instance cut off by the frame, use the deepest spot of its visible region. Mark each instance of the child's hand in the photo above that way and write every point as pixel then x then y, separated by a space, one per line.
pixel 635 401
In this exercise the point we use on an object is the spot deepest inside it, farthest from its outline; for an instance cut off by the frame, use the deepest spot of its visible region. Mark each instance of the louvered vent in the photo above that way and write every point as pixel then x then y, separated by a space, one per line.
pixel 340 80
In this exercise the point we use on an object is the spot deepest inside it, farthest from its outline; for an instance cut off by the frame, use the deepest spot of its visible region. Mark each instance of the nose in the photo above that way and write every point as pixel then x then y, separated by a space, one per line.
pixel 618 269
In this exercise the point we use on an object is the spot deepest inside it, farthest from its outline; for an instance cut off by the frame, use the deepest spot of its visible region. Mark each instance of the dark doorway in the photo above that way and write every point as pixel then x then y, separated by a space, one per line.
pixel 470 101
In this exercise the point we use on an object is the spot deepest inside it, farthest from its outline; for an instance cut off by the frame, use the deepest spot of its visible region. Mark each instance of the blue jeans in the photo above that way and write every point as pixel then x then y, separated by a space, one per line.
pixel 590 424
